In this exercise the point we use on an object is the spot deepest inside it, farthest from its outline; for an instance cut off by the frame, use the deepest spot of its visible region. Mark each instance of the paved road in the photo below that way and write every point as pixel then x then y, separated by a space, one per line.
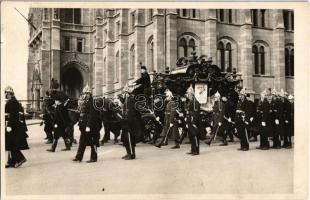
pixel 218 170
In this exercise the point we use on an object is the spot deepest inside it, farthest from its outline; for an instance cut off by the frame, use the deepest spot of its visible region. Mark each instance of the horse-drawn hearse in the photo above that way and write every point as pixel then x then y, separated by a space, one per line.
pixel 197 72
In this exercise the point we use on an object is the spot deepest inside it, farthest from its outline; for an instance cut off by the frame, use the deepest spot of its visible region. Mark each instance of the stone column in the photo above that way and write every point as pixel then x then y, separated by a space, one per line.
pixel 124 52
pixel 46 72
pixel 140 42
pixel 278 52
pixel 98 79
pixel 55 48
pixel 246 62
pixel 158 41
pixel 110 65
pixel 210 48
pixel 172 37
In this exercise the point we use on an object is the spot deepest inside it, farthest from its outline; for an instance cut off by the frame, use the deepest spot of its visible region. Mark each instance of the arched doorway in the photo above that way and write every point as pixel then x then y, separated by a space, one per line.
pixel 72 82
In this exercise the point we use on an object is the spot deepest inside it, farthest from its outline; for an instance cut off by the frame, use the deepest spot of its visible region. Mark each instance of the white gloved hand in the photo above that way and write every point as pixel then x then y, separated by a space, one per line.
pixel 211 123
pixel 157 118
pixel 171 124
pixel 55 126
pixel 185 118
pixel 263 123
pixel 251 119
pixel 181 115
pixel 220 123
pixel 277 122
pixel 236 131
pixel 8 129
pixel 247 123
pixel 87 129
pixel 208 129
pixel 179 121
pixel 229 120
pixel 194 125
pixel 286 121
pixel 186 126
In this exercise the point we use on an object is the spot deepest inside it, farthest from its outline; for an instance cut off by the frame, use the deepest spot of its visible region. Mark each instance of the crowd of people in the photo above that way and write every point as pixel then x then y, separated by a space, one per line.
pixel 233 115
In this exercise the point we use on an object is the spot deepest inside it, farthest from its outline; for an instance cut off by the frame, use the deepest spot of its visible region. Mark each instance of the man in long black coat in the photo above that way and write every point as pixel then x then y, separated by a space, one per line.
pixel 90 124
pixel 131 127
pixel 288 122
pixel 192 120
pixel 245 124
pixel 144 83
pixel 267 122
pixel 48 117
pixel 15 130
pixel 279 112
pixel 62 124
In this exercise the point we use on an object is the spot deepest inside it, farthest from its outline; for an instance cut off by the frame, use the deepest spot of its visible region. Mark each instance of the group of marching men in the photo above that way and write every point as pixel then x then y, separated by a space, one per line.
pixel 233 115
pixel 272 118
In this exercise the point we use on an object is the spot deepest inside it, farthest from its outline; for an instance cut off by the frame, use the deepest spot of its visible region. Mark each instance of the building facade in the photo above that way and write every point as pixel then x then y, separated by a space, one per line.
pixel 105 47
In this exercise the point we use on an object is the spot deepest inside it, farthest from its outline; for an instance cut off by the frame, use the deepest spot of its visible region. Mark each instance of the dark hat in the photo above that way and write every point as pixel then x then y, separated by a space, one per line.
pixel 143 67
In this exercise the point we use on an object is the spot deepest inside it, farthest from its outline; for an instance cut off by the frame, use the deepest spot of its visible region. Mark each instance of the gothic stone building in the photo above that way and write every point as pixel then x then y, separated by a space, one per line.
pixel 105 47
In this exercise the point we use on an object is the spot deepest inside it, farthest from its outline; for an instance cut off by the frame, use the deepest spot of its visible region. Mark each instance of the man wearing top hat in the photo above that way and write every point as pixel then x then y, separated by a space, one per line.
pixel 144 82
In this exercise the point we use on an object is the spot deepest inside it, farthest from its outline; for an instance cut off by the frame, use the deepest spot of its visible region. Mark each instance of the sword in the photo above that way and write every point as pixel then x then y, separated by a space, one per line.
pixel 167 134
pixel 246 135
pixel 129 143
pixel 217 129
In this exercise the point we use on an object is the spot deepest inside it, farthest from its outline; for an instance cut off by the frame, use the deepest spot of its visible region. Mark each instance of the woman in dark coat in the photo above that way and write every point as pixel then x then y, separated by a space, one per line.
pixel 15 130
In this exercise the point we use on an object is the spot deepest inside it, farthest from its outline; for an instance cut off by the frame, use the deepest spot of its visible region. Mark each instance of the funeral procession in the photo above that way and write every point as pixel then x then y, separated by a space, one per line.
pixel 120 89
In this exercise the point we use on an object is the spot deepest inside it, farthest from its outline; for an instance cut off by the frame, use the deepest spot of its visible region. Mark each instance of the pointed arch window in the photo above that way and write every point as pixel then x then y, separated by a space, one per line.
pixel 222 55
pixel 182 48
pixel 229 57
pixel 191 46
pixel 262 59
pixel 256 62
pixel 289 61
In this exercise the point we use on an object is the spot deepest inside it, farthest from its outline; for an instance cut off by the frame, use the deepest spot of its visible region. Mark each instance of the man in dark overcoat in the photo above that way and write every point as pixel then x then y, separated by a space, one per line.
pixel 15 130
pixel 48 110
pixel 90 124
pixel 279 112
pixel 62 123
pixel 131 126
pixel 288 122
pixel 192 108
pixel 267 122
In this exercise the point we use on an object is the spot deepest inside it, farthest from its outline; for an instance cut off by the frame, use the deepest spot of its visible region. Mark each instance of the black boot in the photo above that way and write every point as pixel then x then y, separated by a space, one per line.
pixel 53 148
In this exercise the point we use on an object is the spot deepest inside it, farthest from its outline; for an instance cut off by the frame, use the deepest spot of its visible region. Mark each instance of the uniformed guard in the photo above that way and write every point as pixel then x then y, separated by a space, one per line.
pixel 131 128
pixel 249 114
pixel 279 112
pixel 216 117
pixel 15 130
pixel 267 123
pixel 48 110
pixel 288 122
pixel 192 108
pixel 61 123
pixel 227 117
pixel 169 120
pixel 89 124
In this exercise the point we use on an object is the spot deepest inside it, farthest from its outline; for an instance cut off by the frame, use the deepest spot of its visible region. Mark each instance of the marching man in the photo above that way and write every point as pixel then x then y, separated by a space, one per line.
pixel 89 125
pixel 192 108
pixel 15 130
